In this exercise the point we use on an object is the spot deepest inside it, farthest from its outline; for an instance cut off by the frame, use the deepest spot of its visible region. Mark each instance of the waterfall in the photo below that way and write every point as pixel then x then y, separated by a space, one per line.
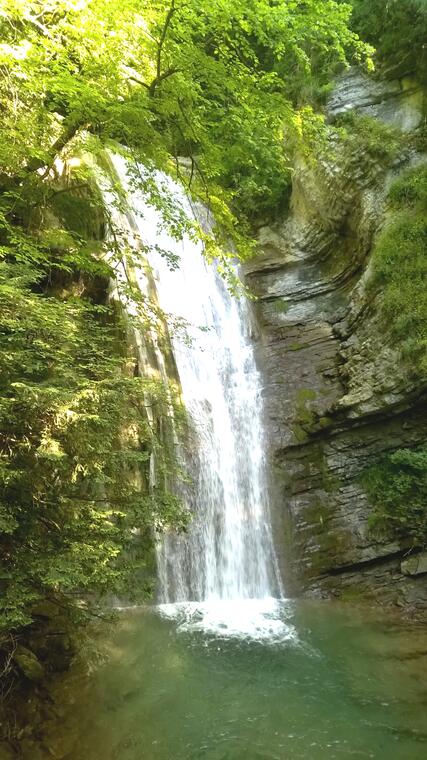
pixel 227 552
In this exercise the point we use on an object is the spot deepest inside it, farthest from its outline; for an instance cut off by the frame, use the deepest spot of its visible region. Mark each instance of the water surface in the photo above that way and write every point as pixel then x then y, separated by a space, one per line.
pixel 326 681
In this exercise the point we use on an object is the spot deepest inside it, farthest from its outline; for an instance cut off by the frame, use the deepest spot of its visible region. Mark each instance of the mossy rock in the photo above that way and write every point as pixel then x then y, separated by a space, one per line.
pixel 352 594
pixel 6 751
pixel 398 271
pixel 45 609
pixel 281 305
pixel 332 546
pixel 300 435
pixel 374 139
pixel 28 664
pixel 305 418
pixel 325 421
pixel 305 394
pixel 79 205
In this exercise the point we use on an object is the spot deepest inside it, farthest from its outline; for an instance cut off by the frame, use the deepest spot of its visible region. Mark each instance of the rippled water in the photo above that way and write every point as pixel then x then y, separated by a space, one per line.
pixel 325 682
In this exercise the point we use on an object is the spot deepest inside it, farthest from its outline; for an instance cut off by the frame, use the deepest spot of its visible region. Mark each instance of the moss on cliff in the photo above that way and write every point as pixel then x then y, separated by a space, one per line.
pixel 397 487
pixel 78 204
pixel 305 417
pixel 367 135
pixel 400 267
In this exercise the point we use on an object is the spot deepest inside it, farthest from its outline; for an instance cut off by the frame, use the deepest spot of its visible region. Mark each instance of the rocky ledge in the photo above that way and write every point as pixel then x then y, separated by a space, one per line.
pixel 337 394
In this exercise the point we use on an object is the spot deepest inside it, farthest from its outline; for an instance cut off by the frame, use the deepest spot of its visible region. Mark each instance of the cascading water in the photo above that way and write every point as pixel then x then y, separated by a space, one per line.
pixel 227 555
pixel 228 551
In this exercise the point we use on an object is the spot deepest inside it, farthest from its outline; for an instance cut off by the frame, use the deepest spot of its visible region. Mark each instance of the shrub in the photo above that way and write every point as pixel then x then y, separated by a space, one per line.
pixel 370 136
pixel 400 267
pixel 397 487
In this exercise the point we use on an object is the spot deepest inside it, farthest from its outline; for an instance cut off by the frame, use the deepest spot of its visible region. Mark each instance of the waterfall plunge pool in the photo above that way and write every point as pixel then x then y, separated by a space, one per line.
pixel 178 683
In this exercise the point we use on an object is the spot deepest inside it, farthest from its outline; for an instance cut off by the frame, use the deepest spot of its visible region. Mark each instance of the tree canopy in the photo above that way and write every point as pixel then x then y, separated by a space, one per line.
pixel 398 29
pixel 216 81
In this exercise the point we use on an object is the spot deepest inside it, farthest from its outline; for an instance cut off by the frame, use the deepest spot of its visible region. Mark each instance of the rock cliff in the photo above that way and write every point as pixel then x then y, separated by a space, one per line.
pixel 337 393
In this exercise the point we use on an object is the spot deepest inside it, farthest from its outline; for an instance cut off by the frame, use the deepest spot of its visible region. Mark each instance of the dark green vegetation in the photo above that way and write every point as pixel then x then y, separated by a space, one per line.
pixel 363 134
pixel 400 267
pixel 76 443
pixel 398 30
pixel 76 437
pixel 397 486
pixel 397 483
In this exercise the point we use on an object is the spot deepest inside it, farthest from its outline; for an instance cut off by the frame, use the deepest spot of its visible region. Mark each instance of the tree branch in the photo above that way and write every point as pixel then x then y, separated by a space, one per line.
pixel 161 78
pixel 159 75
pixel 139 81
pixel 168 20
pixel 152 87
pixel 10 183
pixel 69 132
pixel 41 27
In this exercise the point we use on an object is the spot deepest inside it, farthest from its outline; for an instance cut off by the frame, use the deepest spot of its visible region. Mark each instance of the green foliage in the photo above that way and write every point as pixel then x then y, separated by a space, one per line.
pixel 215 81
pixel 397 487
pixel 410 190
pixel 400 267
pixel 363 133
pixel 398 30
pixel 75 448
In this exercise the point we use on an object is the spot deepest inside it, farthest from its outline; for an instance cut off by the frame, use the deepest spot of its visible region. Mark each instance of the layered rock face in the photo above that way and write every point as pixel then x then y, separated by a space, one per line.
pixel 337 394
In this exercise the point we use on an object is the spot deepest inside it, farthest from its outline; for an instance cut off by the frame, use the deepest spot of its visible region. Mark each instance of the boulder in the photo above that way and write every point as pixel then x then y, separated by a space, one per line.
pixel 28 663
pixel 415 565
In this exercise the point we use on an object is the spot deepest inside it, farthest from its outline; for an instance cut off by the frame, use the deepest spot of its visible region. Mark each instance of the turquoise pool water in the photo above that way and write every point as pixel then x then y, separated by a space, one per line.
pixel 308 681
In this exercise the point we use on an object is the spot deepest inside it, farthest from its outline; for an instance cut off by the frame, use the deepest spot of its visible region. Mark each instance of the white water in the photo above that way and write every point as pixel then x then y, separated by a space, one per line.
pixel 227 555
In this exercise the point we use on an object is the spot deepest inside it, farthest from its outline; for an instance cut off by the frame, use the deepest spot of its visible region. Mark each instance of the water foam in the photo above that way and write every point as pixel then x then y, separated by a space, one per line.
pixel 252 619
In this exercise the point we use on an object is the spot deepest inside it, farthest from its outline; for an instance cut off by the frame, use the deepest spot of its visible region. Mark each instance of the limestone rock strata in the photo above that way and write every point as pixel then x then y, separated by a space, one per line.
pixel 337 393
